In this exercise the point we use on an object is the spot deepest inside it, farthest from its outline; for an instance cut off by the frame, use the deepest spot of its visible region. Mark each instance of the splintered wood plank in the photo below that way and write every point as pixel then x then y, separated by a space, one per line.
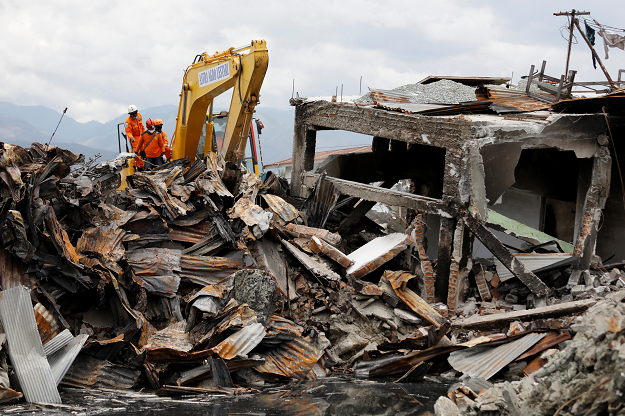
pixel 322 248
pixel 318 269
pixel 551 311
pixel 398 281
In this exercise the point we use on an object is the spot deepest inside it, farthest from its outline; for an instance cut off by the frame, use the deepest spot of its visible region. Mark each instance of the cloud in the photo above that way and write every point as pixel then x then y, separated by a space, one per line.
pixel 97 57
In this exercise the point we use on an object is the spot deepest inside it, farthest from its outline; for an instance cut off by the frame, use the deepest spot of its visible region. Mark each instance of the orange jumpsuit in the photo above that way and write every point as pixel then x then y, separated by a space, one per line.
pixel 156 148
pixel 134 128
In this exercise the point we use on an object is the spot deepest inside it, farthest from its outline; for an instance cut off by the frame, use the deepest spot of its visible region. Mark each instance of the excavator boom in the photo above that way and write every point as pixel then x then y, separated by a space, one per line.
pixel 242 69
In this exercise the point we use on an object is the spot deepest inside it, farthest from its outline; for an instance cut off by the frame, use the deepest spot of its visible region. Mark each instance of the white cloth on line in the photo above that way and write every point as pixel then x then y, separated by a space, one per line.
pixel 612 40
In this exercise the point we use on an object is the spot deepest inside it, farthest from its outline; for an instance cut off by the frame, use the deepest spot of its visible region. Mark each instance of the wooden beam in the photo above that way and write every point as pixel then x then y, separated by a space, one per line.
pixel 529 279
pixel 386 196
pixel 501 319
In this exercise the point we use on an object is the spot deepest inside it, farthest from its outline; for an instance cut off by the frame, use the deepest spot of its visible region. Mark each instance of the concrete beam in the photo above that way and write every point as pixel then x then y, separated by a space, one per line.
pixel 386 196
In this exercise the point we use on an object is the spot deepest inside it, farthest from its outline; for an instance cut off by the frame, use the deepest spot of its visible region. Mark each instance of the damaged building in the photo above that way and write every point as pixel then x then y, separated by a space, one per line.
pixel 508 177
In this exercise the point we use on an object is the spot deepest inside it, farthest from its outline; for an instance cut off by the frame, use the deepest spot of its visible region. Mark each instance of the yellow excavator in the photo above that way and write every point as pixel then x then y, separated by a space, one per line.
pixel 240 69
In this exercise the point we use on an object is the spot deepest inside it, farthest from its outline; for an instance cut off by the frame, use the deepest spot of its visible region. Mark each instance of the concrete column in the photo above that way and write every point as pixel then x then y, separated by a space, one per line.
pixel 304 143
pixel 596 196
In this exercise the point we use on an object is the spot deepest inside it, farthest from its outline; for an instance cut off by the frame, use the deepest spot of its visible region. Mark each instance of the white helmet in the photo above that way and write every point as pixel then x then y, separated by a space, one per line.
pixel 132 109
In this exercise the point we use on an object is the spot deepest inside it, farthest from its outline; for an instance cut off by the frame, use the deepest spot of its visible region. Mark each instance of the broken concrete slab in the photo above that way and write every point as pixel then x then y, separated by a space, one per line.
pixel 375 253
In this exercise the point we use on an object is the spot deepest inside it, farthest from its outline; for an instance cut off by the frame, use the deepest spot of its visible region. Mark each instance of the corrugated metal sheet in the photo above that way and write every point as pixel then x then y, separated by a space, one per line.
pixel 89 372
pixel 58 342
pixel 206 270
pixel 533 261
pixel 241 342
pixel 154 270
pixel 25 348
pixel 204 371
pixel 11 270
pixel 62 360
pixel 484 362
pixel 46 324
pixel 506 100
pixel 173 337
pixel 293 359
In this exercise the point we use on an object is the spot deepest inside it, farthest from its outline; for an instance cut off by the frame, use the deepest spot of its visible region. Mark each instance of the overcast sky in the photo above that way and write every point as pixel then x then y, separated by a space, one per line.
pixel 96 57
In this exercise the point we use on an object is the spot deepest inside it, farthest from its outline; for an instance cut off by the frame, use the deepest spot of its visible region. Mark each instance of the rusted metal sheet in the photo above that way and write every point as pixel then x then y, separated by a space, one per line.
pixel 241 342
pixel 506 100
pixel 398 364
pixel 532 261
pixel 46 324
pixel 154 269
pixel 89 372
pixel 173 337
pixel 105 244
pixel 192 233
pixel 59 236
pixel 398 281
pixel 205 270
pixel 377 252
pixel 11 270
pixel 204 371
pixel 285 211
pixel 551 339
pixel 322 248
pixel 293 359
pixel 484 362
pixel 25 348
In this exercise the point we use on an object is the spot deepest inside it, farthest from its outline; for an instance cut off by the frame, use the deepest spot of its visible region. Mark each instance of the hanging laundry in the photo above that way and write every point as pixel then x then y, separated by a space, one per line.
pixel 590 34
pixel 612 40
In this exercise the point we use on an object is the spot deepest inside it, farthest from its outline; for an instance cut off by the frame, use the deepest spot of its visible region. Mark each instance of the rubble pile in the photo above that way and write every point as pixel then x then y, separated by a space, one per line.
pixel 187 279
pixel 199 280
pixel 586 377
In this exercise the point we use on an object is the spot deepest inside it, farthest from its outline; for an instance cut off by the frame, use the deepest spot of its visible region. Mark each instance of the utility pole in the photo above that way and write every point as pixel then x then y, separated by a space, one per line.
pixel 572 14
pixel 574 21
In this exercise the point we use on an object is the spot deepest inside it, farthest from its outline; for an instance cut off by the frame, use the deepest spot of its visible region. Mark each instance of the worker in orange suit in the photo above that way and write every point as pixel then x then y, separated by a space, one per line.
pixel 158 126
pixel 134 128
pixel 151 145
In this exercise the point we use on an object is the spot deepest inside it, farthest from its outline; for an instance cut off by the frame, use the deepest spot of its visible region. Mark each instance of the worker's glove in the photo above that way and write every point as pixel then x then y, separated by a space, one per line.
pixel 164 159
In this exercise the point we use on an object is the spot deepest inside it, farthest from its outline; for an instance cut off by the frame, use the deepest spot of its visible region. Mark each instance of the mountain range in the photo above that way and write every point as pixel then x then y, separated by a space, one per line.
pixel 23 125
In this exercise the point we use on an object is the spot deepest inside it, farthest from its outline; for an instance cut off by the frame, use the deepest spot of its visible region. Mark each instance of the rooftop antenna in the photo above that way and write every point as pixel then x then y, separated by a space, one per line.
pixel 57 126
pixel 360 90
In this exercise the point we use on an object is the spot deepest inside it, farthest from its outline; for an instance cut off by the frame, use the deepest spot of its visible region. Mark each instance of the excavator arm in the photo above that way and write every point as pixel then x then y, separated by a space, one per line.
pixel 210 76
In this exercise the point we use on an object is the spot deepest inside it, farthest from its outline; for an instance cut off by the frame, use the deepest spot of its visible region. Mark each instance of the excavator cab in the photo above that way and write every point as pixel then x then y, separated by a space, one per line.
pixel 252 150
